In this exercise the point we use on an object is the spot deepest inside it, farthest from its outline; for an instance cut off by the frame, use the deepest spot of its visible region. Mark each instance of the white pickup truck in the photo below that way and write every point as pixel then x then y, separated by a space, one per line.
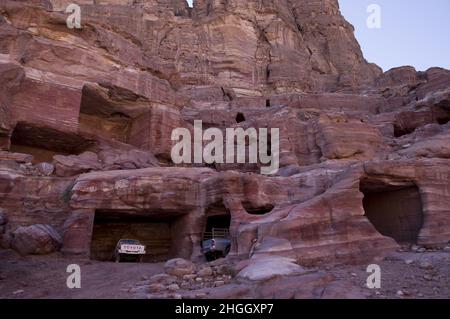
pixel 129 249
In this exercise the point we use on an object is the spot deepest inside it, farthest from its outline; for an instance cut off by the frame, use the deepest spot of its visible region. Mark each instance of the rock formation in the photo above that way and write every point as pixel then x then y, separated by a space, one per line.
pixel 36 239
pixel 86 117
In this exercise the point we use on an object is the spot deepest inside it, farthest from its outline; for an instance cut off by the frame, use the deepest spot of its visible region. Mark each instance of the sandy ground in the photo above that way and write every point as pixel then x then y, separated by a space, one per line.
pixel 403 275
pixel 46 276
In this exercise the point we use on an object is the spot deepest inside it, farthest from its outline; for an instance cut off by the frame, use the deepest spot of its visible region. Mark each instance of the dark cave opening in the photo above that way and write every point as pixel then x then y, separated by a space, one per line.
pixel 216 232
pixel 443 120
pixel 212 166
pixel 402 131
pixel 217 216
pixel 43 142
pixel 154 231
pixel 240 118
pixel 257 209
pixel 218 222
pixel 102 117
pixel 395 212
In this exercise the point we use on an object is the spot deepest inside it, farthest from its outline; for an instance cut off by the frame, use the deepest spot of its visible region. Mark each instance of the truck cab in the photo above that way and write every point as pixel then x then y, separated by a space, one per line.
pixel 216 243
pixel 129 249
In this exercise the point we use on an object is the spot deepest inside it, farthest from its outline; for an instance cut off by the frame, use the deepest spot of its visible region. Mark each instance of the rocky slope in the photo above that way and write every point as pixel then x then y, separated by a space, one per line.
pixel 86 117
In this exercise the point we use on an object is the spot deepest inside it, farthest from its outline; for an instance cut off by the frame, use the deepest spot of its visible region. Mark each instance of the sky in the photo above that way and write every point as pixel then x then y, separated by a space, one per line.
pixel 413 32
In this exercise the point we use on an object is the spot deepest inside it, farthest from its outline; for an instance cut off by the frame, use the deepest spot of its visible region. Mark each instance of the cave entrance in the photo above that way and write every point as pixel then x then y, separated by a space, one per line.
pixel 444 119
pixel 102 113
pixel 155 231
pixel 218 222
pixel 240 117
pixel 44 142
pixel 395 212
pixel 216 241
pixel 257 209
pixel 400 131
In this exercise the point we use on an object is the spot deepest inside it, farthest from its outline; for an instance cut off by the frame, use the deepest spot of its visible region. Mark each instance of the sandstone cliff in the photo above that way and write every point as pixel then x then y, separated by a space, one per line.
pixel 95 107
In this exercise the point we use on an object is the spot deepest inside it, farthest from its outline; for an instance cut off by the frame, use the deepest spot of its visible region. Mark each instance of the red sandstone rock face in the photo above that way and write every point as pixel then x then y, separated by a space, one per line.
pixel 100 104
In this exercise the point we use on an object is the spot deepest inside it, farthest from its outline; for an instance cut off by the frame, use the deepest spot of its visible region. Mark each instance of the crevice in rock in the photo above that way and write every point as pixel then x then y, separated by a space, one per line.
pixel 209 8
pixel 226 95
pixel 263 55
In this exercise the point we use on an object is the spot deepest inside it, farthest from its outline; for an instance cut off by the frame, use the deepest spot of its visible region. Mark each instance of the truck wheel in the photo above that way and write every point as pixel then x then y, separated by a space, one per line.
pixel 140 258
pixel 226 252
pixel 117 259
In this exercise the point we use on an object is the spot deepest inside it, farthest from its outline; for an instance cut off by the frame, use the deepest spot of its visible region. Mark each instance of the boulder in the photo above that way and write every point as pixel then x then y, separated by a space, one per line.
pixel 164 279
pixel 126 159
pixel 265 268
pixel 179 267
pixel 71 165
pixel 46 169
pixel 36 239
pixel 205 272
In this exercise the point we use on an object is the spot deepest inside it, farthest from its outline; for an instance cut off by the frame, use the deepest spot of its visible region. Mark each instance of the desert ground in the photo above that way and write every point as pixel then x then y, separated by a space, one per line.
pixel 408 275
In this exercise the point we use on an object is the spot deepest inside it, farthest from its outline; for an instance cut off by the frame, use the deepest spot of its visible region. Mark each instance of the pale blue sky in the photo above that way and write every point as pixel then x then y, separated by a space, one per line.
pixel 413 32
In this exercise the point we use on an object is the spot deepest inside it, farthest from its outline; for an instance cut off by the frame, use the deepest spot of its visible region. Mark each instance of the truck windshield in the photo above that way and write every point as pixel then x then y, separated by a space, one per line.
pixel 129 242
